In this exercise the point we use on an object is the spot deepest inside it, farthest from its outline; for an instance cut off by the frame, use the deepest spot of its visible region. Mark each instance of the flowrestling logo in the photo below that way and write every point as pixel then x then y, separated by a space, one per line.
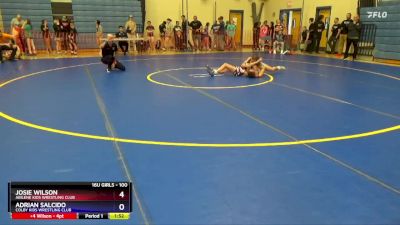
pixel 377 14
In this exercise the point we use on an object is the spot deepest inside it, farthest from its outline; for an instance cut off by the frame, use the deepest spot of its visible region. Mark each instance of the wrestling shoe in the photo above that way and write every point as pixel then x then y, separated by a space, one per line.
pixel 210 71
pixel 281 68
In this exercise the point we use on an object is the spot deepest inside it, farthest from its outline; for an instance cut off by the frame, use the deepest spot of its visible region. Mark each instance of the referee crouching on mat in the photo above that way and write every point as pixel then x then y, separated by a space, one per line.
pixel 108 49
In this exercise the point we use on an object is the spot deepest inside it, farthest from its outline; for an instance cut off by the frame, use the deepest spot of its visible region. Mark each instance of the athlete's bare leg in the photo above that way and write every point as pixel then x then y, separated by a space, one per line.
pixel 226 67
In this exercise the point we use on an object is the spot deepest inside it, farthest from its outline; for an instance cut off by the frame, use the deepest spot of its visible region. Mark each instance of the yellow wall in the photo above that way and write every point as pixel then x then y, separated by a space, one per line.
pixel 159 10
pixel 1 22
pixel 339 8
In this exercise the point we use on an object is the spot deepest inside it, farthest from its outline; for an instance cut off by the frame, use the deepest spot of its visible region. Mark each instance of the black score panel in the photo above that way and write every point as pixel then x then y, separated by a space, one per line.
pixel 60 9
pixel 69 200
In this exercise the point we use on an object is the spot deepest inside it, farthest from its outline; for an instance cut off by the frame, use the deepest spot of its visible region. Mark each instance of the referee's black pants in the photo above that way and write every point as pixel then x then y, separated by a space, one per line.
pixel 109 60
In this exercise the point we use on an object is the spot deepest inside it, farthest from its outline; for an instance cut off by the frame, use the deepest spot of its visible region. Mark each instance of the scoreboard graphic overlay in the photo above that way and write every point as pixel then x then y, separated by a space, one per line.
pixel 69 200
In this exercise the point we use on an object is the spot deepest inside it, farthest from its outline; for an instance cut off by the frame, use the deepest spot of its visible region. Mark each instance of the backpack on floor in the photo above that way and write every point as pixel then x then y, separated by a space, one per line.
pixel 158 45
pixel 140 46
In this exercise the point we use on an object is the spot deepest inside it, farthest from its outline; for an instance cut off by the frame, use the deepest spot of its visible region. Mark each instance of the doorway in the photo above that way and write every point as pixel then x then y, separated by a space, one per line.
pixel 237 17
pixel 326 12
pixel 292 21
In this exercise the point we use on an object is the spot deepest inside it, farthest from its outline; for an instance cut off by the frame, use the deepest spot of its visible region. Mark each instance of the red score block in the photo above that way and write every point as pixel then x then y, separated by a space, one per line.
pixel 44 216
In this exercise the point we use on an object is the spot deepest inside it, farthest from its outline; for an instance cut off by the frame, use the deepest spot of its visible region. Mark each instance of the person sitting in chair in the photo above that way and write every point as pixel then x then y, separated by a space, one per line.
pixel 124 45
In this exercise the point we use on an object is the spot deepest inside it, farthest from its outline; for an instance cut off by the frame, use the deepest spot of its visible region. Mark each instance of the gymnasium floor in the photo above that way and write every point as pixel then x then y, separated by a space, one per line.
pixel 318 143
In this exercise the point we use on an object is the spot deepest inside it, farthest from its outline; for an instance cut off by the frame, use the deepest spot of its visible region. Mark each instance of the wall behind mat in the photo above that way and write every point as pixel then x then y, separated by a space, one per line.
pixel 339 8
pixel 157 11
